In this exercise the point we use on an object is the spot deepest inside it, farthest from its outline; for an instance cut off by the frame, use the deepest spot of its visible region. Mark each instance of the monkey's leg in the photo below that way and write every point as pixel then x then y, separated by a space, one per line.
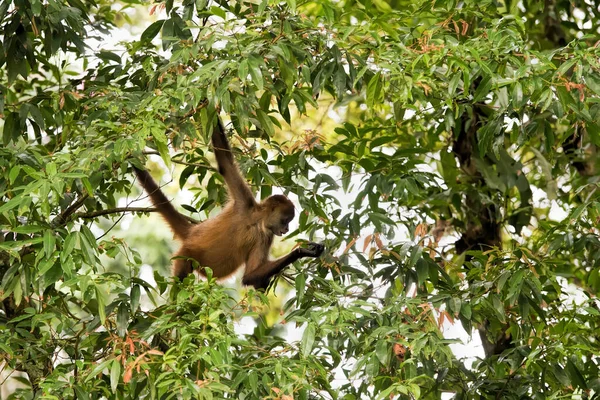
pixel 182 267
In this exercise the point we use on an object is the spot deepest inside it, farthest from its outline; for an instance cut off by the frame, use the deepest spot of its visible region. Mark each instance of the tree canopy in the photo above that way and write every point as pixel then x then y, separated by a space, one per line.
pixel 444 151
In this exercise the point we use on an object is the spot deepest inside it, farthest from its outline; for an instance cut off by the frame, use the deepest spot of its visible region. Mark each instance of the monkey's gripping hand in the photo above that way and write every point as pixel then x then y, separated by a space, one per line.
pixel 312 249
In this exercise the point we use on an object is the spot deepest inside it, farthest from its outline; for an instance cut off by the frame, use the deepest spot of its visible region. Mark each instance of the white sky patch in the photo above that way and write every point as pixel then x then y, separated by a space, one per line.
pixel 578 13
pixel 470 348
pixel 244 326
pixel 557 212
pixel 409 113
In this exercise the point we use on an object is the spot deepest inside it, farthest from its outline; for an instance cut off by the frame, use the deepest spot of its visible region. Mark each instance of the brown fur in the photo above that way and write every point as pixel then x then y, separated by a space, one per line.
pixel 241 234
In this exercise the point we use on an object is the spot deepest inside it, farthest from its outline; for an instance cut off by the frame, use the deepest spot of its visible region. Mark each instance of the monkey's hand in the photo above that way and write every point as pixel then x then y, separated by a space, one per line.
pixel 312 250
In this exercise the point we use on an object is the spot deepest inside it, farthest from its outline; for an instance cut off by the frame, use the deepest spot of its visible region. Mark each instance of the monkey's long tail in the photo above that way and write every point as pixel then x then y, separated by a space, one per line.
pixel 177 221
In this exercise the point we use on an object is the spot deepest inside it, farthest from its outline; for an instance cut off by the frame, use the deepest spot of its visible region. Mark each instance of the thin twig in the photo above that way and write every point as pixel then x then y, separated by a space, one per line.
pixel 117 210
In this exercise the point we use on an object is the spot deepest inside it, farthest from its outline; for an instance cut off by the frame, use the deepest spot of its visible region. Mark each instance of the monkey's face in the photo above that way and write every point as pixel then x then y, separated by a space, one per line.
pixel 279 213
pixel 280 221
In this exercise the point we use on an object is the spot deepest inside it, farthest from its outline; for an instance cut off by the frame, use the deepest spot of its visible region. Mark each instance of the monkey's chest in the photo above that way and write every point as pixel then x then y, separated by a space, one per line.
pixel 254 239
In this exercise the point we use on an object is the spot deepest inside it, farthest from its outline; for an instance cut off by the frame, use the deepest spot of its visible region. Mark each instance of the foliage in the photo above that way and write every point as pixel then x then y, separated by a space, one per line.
pixel 466 129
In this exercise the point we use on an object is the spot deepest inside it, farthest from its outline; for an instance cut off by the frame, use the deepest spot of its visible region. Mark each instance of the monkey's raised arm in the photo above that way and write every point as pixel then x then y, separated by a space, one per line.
pixel 238 188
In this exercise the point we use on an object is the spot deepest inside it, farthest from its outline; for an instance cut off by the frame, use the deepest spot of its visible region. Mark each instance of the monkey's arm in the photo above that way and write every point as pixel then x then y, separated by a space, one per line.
pixel 260 271
pixel 238 188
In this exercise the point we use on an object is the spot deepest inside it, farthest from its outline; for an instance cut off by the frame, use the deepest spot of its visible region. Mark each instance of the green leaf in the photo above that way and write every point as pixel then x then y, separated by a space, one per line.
pixel 49 243
pixel 14 173
pixel 487 134
pixel 17 292
pixel 11 129
pixel 308 339
pixel 265 122
pixel 36 115
pixel 262 6
pixel 593 82
pixel 109 55
pixel 383 351
pixel 201 5
pixel 575 375
pixel 16 64
pixel 453 84
pixel 98 369
pixel 68 246
pixel 36 7
pixel 88 249
pixel 375 90
pixel 380 218
pixel 81 393
pixel 135 298
pixel 551 185
pixel 483 89
pixel 399 111
pixel 122 319
pixel 115 374
pixel 502 95
pixel 45 265
pixel 163 150
pixel 517 95
pixel 167 33
pixel 253 381
pixel 567 65
pixel 243 70
pixel 27 229
pixel 12 203
pixel 100 297
pixel 88 186
pixel 218 11
pixel 455 305
pixel 565 97
pixel 189 208
pixel 465 310
pixel 300 284
pixel 255 72
pixel 498 307
pixel 151 31
pixel 50 169
pixel 577 211
pixel 422 267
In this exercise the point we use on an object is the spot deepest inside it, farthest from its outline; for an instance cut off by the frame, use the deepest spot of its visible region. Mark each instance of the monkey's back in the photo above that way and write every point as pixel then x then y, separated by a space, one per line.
pixel 223 242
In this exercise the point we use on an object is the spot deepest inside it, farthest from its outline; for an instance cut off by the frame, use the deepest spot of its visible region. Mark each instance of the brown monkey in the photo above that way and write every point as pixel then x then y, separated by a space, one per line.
pixel 241 234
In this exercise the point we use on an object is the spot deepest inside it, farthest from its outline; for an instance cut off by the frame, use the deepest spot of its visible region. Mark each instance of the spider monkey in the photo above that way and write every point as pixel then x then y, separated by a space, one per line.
pixel 241 234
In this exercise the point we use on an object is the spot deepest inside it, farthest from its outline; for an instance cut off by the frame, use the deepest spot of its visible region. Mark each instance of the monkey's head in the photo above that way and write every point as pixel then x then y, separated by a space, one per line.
pixel 279 211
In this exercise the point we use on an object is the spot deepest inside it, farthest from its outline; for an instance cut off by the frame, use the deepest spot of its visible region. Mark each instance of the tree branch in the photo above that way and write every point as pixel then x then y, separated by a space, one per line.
pixel 63 217
pixel 118 210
